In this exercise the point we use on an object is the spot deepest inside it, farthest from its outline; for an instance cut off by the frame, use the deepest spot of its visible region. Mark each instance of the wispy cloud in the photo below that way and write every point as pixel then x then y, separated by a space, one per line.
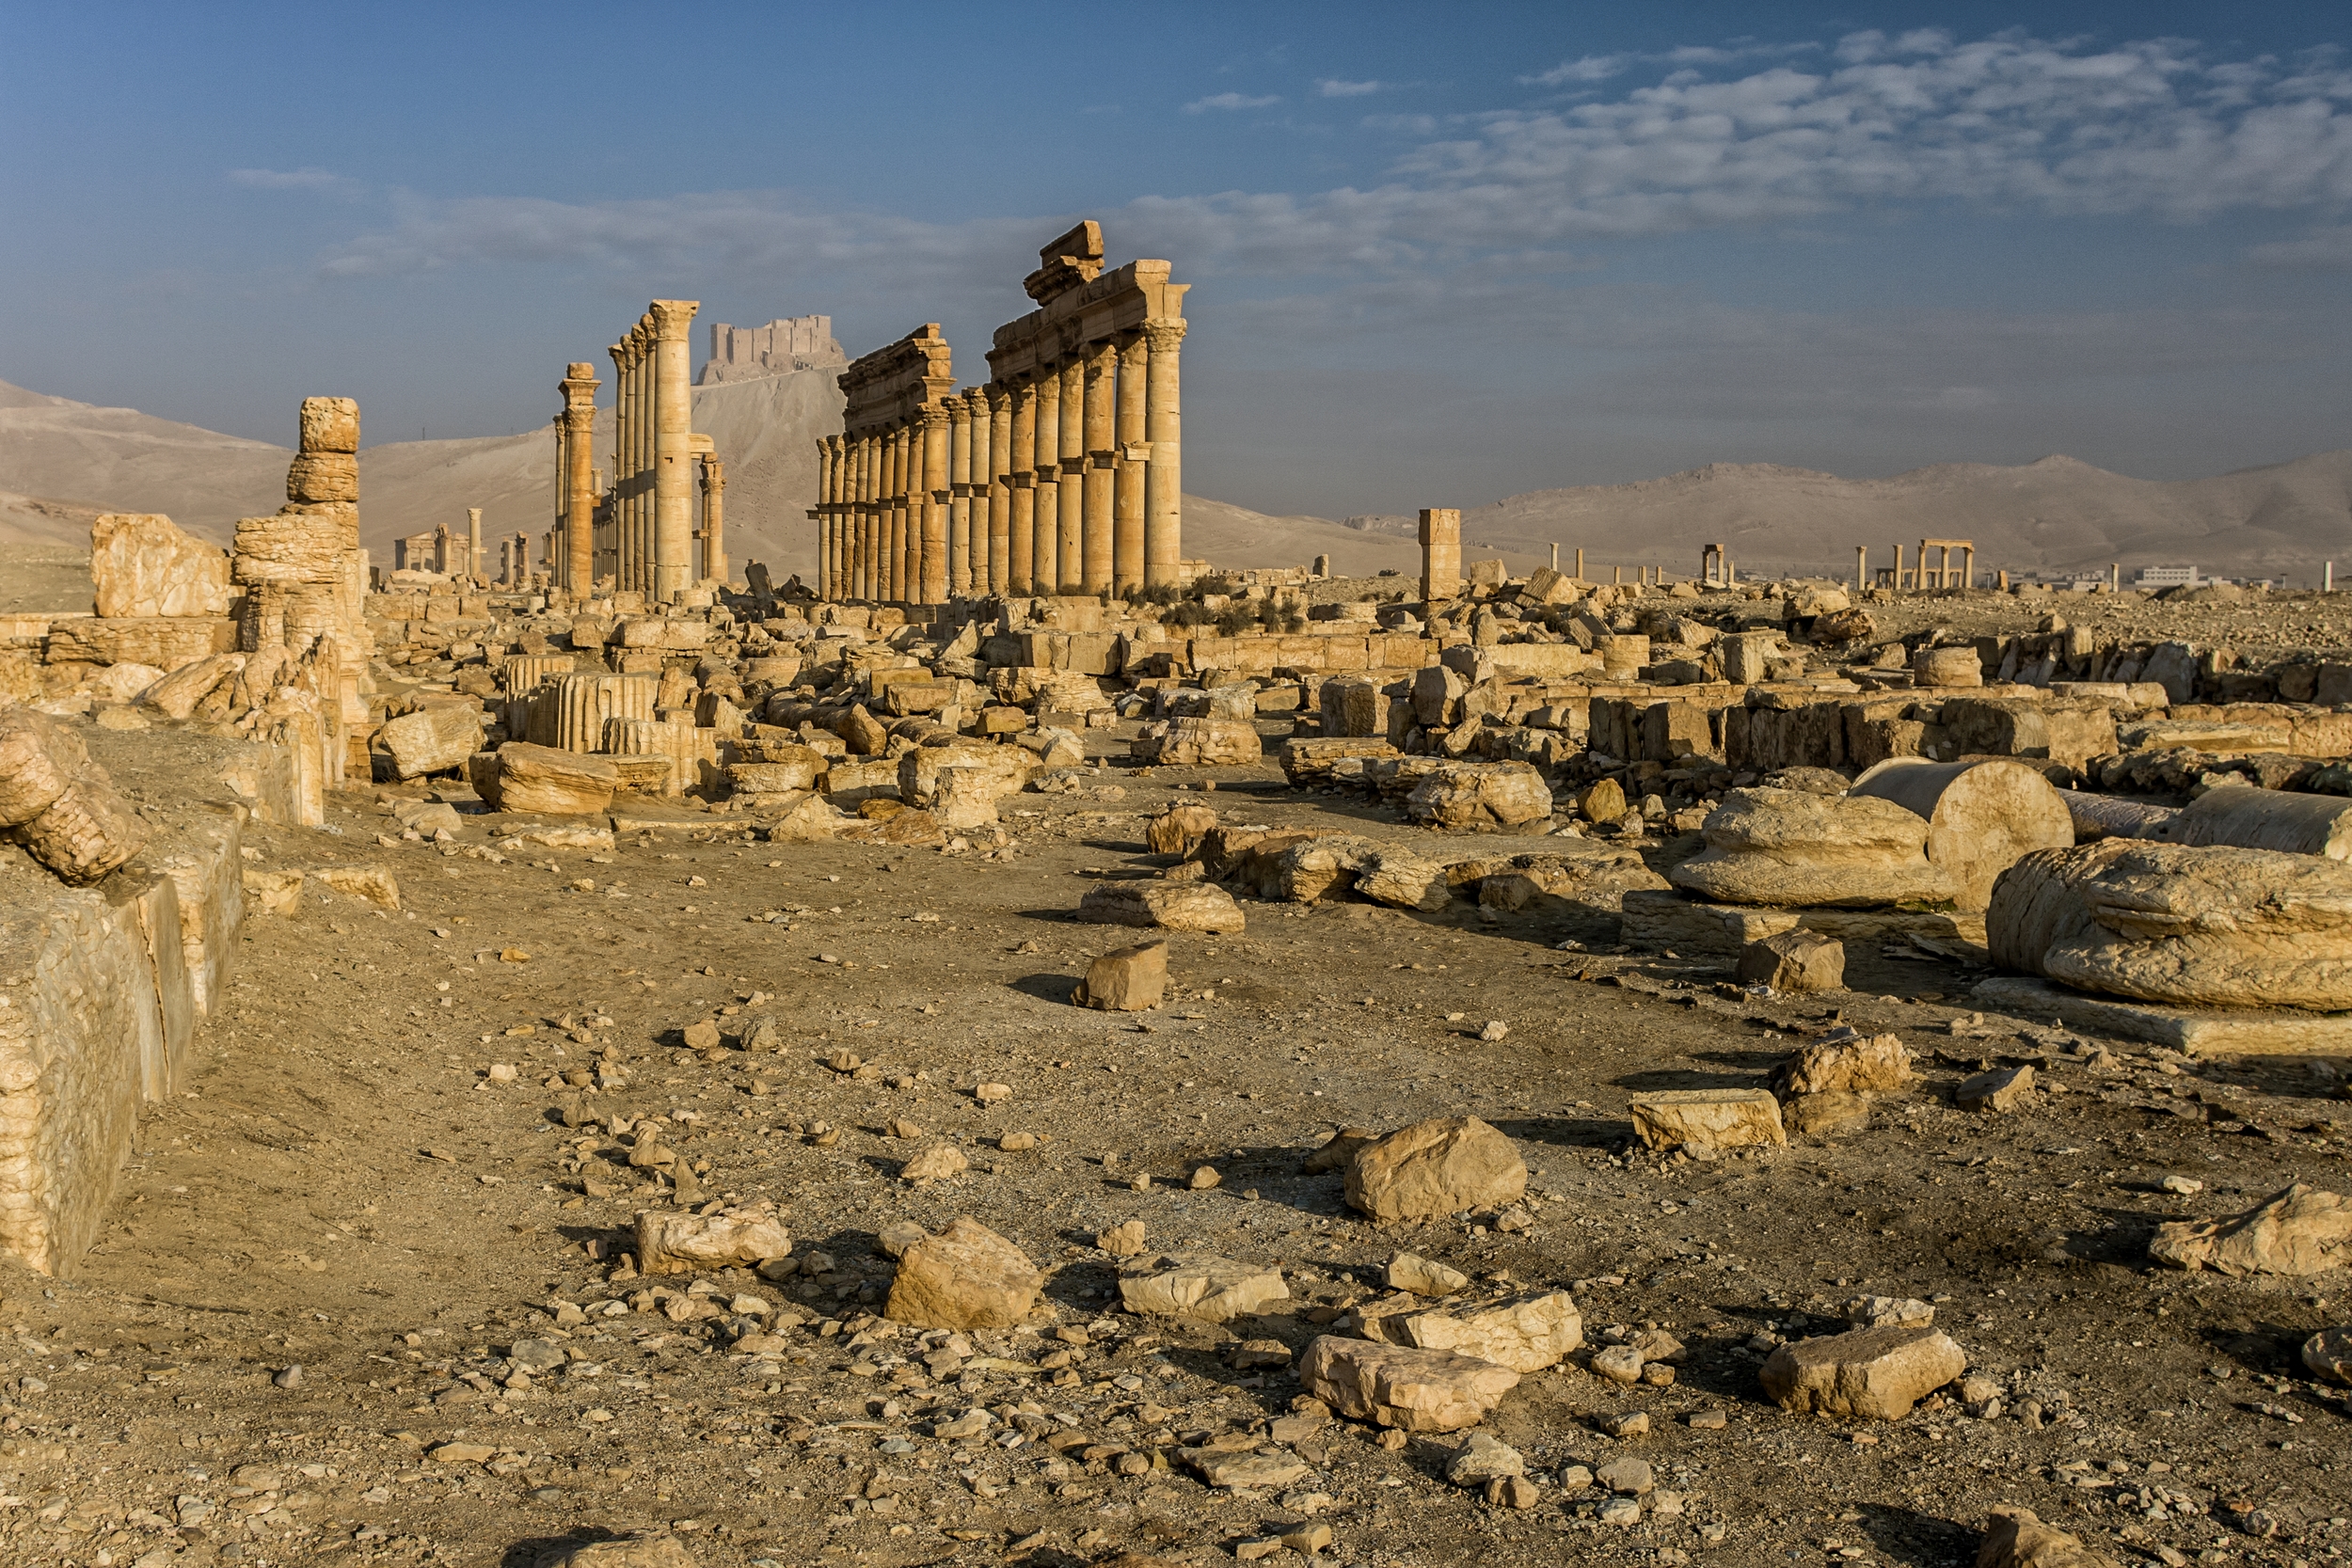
pixel 2328 250
pixel 294 180
pixel 1591 68
pixel 1329 86
pixel 1230 101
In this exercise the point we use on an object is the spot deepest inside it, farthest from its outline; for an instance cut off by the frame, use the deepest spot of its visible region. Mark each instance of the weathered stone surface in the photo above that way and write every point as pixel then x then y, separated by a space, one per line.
pixel 2249 818
pixel 1258 1472
pixel 1481 1460
pixel 1794 962
pixel 1877 1063
pixel 920 771
pixel 430 740
pixel 85 832
pixel 812 821
pixel 2302 1230
pixel 1996 1090
pixel 1199 1285
pixel 1203 742
pixel 1127 981
pixel 2165 922
pixel 2017 1537
pixel 1441 1166
pixel 1707 1119
pixel 1170 906
pixel 1786 846
pixel 1178 831
pixel 39 759
pixel 141 565
pixel 177 694
pixel 1424 1276
pixel 966 1276
pixel 329 425
pixel 680 1244
pixel 1338 1151
pixel 2328 1355
pixel 1982 817
pixel 553 782
pixel 166 641
pixel 1417 1390
pixel 649 1551
pixel 1525 1332
pixel 1121 1241
pixel 1876 1372
pixel 373 884
pixel 938 1162
pixel 1473 795
pixel 277 892
pixel 1404 880
pixel 1947 667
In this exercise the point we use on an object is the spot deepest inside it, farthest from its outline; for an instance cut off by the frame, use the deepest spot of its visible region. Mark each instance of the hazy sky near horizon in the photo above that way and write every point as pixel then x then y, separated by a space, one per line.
pixel 1440 255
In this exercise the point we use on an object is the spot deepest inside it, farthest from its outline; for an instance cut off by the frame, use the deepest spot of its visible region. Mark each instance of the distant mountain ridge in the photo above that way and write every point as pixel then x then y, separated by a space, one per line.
pixel 61 461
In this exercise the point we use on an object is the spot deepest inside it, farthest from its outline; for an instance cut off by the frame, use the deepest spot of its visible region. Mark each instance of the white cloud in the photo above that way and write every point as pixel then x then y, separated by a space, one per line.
pixel 1228 101
pixel 1591 68
pixel 293 179
pixel 1332 88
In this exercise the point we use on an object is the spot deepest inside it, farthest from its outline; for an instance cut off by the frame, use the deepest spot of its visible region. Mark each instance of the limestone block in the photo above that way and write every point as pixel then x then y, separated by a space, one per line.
pixel 39 759
pixel 277 892
pixel 1179 830
pixel 1424 1276
pixel 555 781
pixel 1396 1386
pixel 203 862
pixel 432 740
pixel 967 798
pixel 83 1024
pixel 176 695
pixel 1128 980
pixel 1947 667
pixel 2328 1355
pixel 1170 906
pixel 2300 1232
pixel 153 903
pixel 330 425
pixel 1441 1166
pixel 680 1244
pixel 1198 743
pixel 768 778
pixel 1875 1372
pixel 1464 795
pixel 166 641
pixel 142 565
pixel 1310 760
pixel 966 1276
pixel 2016 1538
pixel 1707 1119
pixel 2250 819
pixel 1879 1064
pixel 323 476
pixel 2167 923
pixel 919 770
pixel 371 882
pixel 1199 1286
pixel 1259 1472
pixel 1404 880
pixel 1796 960
pixel 1786 846
pixel 1353 706
pixel 1995 1091
pixel 812 821
pixel 1982 817
pixel 1525 1332
pixel 286 548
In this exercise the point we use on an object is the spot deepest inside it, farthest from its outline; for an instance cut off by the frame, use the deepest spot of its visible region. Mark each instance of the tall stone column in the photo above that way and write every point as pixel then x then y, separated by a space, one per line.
pixel 870 524
pixel 1164 478
pixel 473 543
pixel 1021 493
pixel 853 515
pixel 1045 551
pixel 579 477
pixel 1101 386
pixel 1441 553
pixel 1070 479
pixel 636 548
pixel 674 480
pixel 714 521
pixel 960 496
pixel 824 518
pixel 935 433
pixel 616 509
pixel 999 486
pixel 1127 503
pixel 900 447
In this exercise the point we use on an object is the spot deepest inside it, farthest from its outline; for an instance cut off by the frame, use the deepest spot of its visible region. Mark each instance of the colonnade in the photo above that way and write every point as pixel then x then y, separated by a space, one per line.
pixel 645 543
pixel 1062 475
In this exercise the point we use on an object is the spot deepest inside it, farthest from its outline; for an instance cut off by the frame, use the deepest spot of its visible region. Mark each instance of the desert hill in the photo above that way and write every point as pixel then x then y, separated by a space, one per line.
pixel 61 462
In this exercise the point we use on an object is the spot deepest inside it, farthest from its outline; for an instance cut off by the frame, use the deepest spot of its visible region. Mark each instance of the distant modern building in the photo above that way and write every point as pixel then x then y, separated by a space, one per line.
pixel 2167 577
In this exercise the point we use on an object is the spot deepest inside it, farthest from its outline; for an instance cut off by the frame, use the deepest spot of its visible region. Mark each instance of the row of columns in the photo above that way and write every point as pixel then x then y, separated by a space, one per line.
pixel 1068 479
pixel 648 541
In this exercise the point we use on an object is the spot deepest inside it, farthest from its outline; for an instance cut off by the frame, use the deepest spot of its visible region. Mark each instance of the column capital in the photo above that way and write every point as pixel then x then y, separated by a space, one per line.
pixel 955 410
pixel 1164 336
pixel 670 317
pixel 998 395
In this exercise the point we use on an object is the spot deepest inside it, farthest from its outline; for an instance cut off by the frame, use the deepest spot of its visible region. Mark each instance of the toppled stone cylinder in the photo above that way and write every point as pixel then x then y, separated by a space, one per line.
pixel 59 803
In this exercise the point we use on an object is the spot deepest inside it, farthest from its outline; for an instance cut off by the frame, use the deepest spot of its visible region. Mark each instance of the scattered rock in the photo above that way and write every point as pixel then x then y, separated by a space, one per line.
pixel 1203 1178
pixel 1879 1064
pixel 680 1244
pixel 1481 1460
pixel 1628 1477
pixel 2302 1230
pixel 1999 1090
pixel 1525 1332
pixel 1424 1277
pixel 1127 981
pixel 2017 1537
pixel 1336 1151
pixel 1707 1119
pixel 894 1238
pixel 1620 1364
pixel 1413 1391
pixel 966 1276
pixel 1441 1166
pixel 1494 1029
pixel 1795 961
pixel 1198 1286
pixel 1890 1313
pixel 1877 1373
pixel 2328 1355
pixel 1121 1241
pixel 1252 1470
pixel 1171 906
pixel 936 1163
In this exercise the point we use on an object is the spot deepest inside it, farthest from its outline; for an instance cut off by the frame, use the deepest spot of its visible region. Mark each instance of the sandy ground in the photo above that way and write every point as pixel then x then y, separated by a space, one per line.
pixel 343 1188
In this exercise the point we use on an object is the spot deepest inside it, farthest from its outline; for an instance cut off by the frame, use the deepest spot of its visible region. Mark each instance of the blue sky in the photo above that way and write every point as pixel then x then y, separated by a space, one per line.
pixel 1440 254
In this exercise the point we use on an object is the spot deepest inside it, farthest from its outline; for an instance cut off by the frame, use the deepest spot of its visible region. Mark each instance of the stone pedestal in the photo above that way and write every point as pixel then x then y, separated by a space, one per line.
pixel 1441 553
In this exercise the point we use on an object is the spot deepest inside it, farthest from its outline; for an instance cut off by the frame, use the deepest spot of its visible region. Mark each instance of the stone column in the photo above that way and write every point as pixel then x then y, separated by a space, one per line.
pixel 1045 551
pixel 1163 479
pixel 936 435
pixel 1127 502
pixel 714 521
pixel 1021 492
pixel 638 546
pixel 674 481
pixel 615 507
pixel 871 522
pixel 1070 479
pixel 1102 388
pixel 578 479
pixel 854 516
pixel 960 496
pixel 1000 488
pixel 900 450
pixel 824 513
pixel 1441 553
pixel 473 543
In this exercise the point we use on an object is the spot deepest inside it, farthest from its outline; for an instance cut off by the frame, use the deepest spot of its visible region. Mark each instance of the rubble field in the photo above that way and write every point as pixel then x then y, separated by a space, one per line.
pixel 367 1292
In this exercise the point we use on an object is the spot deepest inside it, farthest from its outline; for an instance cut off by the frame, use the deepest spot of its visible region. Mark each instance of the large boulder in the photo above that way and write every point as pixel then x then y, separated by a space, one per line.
pixel 1439 1167
pixel 1415 1390
pixel 1707 1119
pixel 1525 1332
pixel 1875 1372
pixel 432 740
pixel 1127 981
pixel 1787 846
pixel 2199 928
pixel 2300 1232
pixel 60 804
pixel 1475 795
pixel 1198 743
pixel 141 565
pixel 550 780
pixel 966 1276
pixel 680 1244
